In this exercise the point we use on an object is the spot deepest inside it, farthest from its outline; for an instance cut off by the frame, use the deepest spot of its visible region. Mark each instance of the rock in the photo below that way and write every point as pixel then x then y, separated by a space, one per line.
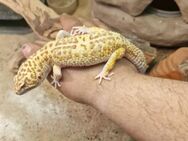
pixel 39 17
pixel 175 66
pixel 63 6
pixel 132 7
pixel 183 5
pixel 171 31
pixel 65 22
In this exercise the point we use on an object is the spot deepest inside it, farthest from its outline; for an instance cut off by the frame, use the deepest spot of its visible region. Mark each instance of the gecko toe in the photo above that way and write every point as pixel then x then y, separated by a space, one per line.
pixel 101 76
pixel 55 82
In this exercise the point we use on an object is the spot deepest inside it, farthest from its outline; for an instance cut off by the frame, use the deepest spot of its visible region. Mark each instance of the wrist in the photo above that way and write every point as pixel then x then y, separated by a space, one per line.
pixel 106 95
pixel 102 95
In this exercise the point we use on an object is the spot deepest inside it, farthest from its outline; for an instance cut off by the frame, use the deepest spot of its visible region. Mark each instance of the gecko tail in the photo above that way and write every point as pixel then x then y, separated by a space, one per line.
pixel 138 59
pixel 143 68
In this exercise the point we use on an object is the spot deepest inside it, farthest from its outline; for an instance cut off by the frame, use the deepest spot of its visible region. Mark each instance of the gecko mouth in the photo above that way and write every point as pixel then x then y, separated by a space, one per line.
pixel 23 91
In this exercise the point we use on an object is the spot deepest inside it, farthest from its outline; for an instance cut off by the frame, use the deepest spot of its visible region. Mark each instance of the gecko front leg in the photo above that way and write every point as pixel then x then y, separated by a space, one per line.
pixel 104 74
pixel 56 76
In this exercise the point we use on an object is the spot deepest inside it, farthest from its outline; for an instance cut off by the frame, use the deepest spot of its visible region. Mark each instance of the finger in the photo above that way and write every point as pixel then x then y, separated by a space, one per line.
pixel 29 48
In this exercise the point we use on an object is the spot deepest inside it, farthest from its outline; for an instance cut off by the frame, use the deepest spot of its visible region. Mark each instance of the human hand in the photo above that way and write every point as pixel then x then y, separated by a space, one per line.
pixel 79 84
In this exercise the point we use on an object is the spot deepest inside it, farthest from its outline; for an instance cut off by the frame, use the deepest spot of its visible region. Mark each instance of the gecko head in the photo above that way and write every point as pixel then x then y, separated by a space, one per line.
pixel 25 80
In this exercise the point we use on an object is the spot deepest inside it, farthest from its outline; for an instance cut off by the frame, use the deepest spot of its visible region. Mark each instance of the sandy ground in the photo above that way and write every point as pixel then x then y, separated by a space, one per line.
pixel 44 114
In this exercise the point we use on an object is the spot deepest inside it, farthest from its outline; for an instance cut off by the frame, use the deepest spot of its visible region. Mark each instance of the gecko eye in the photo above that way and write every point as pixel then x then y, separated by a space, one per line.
pixel 39 77
pixel 22 86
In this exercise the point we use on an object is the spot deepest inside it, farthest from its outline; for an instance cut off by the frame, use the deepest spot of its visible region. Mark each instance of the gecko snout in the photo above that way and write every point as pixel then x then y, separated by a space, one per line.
pixel 22 84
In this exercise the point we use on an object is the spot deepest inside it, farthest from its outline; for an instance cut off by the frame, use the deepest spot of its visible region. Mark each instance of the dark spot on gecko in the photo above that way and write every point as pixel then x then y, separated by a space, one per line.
pixel 37 58
pixel 34 63
pixel 76 54
pixel 84 39
pixel 25 65
pixel 110 33
pixel 29 62
pixel 28 70
pixel 40 64
pixel 84 46
pixel 45 59
pixel 46 52
pixel 91 42
pixel 92 53
pixel 85 54
pixel 50 45
pixel 73 46
pixel 58 53
pixel 69 56
pixel 97 41
pixel 100 46
pixel 32 75
pixel 23 70
pixel 117 38
pixel 91 37
pixel 74 40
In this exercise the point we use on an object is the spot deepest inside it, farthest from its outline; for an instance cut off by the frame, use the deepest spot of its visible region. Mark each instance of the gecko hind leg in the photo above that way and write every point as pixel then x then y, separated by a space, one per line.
pixel 57 75
pixel 62 34
pixel 104 74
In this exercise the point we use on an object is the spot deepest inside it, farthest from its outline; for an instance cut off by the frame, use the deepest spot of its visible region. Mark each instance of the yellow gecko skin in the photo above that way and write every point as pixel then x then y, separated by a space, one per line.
pixel 97 46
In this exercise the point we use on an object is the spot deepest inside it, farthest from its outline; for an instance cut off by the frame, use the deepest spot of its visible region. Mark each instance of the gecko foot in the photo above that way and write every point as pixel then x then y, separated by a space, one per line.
pixel 79 30
pixel 101 76
pixel 55 82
